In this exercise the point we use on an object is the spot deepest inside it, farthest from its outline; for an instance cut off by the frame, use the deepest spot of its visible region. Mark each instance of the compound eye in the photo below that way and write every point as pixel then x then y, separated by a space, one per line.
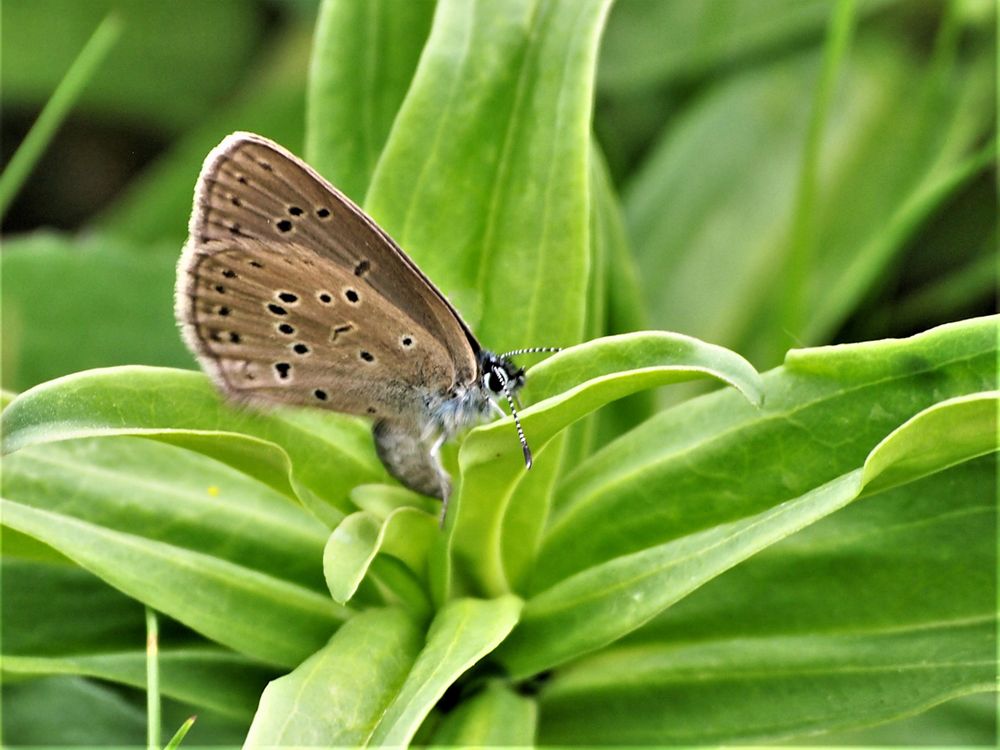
pixel 493 382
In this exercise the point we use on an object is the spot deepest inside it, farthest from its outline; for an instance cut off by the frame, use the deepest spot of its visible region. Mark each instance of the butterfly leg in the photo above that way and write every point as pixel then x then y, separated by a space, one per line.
pixel 409 459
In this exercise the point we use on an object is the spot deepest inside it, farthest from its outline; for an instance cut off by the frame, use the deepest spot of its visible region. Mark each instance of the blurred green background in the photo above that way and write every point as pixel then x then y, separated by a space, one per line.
pixel 704 113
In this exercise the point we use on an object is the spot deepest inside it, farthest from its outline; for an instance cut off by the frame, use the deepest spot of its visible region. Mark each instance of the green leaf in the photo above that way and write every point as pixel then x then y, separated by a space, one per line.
pixel 350 112
pixel 188 500
pixel 916 449
pixel 53 329
pixel 565 388
pixel 653 43
pixel 206 677
pixel 88 616
pixel 883 609
pixel 714 459
pixel 498 113
pixel 252 612
pixel 496 717
pixel 606 601
pixel 850 676
pixel 88 713
pixel 710 211
pixel 406 533
pixel 316 456
pixel 463 632
pixel 338 695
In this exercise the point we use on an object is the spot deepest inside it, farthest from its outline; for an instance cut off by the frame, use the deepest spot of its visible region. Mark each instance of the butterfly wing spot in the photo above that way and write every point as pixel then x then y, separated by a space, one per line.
pixel 234 338
pixel 323 213
pixel 286 329
pixel 229 273
pixel 235 201
pixel 284 369
pixel 300 348
pixel 220 289
pixel 276 309
pixel 367 356
pixel 352 296
pixel 234 229
pixel 406 341
pixel 223 311
pixel 371 409
pixel 363 267
pixel 325 298
pixel 256 264
pixel 242 179
pixel 284 225
pixel 320 394
pixel 265 166
pixel 288 297
pixel 214 335
pixel 295 211
pixel 337 330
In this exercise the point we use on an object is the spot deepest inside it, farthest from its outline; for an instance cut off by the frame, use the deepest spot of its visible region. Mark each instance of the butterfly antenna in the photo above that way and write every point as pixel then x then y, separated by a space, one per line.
pixel 517 420
pixel 531 350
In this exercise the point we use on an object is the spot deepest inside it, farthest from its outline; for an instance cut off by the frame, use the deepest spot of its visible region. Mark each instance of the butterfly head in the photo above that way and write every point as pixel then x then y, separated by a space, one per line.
pixel 500 374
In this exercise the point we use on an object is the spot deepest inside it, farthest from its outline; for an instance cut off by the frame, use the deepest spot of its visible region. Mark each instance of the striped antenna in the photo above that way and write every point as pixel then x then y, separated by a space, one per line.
pixel 517 420
pixel 531 350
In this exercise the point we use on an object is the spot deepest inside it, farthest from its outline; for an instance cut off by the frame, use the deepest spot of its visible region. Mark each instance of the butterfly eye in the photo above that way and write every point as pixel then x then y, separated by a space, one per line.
pixel 493 381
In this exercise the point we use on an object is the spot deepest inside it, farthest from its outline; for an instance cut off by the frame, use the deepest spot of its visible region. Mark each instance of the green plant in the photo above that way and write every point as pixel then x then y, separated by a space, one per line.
pixel 811 551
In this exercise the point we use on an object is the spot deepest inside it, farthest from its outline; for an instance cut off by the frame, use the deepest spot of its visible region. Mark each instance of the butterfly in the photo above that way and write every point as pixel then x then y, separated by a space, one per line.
pixel 288 293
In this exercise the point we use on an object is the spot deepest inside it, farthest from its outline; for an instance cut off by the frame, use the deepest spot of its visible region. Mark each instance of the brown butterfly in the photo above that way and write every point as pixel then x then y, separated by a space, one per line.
pixel 288 293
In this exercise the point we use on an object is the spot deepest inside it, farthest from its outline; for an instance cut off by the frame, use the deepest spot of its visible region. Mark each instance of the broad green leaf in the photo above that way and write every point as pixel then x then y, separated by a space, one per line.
pixel 251 612
pixel 89 318
pixel 87 616
pixel 321 455
pixel 338 695
pixel 565 387
pixel 968 424
pixel 710 211
pixel 605 601
pixel 715 459
pixel 626 308
pixel 186 499
pixel 463 632
pixel 363 58
pixel 496 717
pixel 969 721
pixel 205 677
pixel 885 608
pixel 849 677
pixel 406 534
pixel 499 113
pixel 382 499
pixel 601 604
pixel 91 714
pixel 88 712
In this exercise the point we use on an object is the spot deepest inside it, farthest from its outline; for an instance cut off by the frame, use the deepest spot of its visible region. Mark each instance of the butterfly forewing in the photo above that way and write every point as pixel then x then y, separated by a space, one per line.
pixel 290 294
pixel 253 188
pixel 317 338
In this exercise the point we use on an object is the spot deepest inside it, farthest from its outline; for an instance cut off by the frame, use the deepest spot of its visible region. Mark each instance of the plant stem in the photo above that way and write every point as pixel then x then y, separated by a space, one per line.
pixel 152 681
pixel 62 100
pixel 802 243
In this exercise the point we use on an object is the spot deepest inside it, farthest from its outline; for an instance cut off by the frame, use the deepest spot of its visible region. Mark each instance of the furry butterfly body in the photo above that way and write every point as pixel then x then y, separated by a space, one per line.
pixel 288 293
